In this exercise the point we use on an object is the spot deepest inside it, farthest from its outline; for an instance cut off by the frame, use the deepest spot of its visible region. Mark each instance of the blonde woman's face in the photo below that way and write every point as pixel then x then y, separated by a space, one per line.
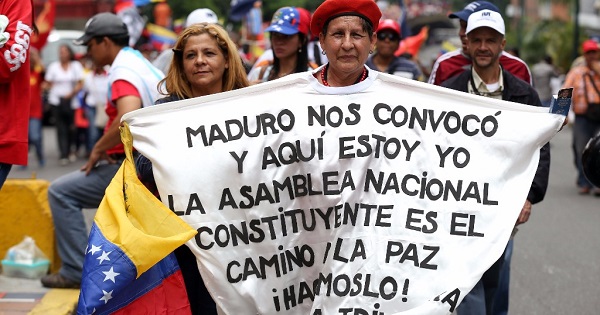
pixel 204 64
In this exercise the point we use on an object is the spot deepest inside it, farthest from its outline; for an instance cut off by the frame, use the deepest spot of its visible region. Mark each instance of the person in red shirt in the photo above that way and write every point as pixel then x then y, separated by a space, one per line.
pixel 16 26
pixel 455 62
pixel 133 84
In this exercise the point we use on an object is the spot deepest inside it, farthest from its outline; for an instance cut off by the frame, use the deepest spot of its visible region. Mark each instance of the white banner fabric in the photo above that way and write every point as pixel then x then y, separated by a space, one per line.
pixel 390 196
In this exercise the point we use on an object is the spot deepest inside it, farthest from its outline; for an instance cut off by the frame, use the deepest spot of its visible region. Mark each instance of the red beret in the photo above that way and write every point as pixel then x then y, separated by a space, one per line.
pixel 330 9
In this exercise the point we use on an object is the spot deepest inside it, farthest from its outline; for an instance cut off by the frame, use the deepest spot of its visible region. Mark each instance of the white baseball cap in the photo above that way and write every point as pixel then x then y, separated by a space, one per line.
pixel 200 16
pixel 486 18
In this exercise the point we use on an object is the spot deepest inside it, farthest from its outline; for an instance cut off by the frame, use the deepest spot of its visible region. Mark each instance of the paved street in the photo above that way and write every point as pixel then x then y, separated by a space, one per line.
pixel 556 260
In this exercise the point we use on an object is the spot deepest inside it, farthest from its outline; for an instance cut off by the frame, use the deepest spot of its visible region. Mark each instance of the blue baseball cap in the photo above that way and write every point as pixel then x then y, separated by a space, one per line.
pixel 288 21
pixel 474 6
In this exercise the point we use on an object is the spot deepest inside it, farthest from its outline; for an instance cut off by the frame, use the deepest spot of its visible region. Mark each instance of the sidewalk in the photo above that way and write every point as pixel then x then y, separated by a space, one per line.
pixel 27 296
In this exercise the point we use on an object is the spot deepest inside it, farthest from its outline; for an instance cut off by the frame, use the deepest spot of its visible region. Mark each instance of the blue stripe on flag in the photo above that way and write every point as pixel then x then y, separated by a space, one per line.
pixel 109 282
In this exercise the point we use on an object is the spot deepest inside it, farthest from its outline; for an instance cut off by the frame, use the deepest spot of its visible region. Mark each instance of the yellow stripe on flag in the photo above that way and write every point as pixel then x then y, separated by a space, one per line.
pixel 132 218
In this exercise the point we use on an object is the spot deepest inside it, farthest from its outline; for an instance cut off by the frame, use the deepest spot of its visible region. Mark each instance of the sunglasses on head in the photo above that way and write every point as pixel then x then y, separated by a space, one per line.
pixel 390 36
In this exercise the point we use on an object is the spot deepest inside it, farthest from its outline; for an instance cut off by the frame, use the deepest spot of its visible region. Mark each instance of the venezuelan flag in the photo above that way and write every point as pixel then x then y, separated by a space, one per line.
pixel 160 37
pixel 129 267
pixel 140 3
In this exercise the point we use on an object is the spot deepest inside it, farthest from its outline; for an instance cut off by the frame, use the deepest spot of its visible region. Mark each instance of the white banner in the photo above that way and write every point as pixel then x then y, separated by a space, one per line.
pixel 387 197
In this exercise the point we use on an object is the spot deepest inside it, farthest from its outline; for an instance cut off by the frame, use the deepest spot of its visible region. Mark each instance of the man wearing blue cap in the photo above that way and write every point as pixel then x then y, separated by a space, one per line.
pixel 455 62
pixel 485 44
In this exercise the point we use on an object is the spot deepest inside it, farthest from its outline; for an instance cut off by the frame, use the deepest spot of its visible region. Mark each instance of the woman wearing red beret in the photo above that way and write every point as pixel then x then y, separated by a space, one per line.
pixel 347 35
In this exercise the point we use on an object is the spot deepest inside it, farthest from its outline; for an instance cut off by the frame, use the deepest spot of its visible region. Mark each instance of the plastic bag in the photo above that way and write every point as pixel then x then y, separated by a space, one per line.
pixel 26 252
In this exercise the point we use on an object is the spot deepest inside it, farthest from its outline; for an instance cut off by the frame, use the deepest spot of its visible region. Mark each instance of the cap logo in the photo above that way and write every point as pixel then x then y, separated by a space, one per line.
pixel 89 22
pixel 472 6
pixel 485 14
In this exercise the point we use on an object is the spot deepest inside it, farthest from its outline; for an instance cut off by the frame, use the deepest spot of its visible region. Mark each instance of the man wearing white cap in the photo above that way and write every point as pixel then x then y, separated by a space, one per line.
pixel 485 43
pixel 163 61
pixel 454 62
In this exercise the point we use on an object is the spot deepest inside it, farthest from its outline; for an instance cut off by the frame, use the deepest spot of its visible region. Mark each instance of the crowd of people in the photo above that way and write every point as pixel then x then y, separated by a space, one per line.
pixel 350 40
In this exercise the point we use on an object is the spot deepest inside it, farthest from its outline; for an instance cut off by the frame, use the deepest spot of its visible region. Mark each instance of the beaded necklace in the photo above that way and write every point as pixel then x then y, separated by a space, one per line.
pixel 324 75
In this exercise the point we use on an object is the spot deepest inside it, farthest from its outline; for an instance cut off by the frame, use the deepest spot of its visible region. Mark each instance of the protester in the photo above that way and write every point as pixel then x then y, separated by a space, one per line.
pixel 16 26
pixel 543 72
pixel 314 51
pixel 95 87
pixel 454 62
pixel 200 15
pixel 205 62
pixel 384 60
pixel 36 109
pixel 64 78
pixel 347 35
pixel 133 84
pixel 585 80
pixel 485 33
pixel 289 35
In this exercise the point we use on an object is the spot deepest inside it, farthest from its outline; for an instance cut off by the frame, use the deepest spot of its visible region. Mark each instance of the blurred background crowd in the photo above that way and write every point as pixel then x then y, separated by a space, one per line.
pixel 546 34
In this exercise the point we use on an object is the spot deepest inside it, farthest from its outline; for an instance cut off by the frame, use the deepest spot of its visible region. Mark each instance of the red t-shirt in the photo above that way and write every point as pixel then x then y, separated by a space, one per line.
pixel 35 82
pixel 119 88
pixel 454 63
pixel 14 81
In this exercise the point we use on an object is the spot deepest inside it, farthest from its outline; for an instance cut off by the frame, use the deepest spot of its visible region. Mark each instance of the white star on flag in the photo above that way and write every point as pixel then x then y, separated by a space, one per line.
pixel 107 296
pixel 94 249
pixel 111 274
pixel 103 257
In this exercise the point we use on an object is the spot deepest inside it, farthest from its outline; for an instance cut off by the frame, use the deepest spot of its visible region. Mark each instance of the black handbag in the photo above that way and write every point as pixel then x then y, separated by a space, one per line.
pixel 593 109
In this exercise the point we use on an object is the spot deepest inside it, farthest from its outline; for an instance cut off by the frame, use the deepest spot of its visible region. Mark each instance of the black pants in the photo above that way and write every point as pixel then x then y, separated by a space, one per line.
pixel 65 126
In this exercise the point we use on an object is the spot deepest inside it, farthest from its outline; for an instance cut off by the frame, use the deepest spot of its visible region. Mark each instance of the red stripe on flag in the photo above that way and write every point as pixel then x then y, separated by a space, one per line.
pixel 169 297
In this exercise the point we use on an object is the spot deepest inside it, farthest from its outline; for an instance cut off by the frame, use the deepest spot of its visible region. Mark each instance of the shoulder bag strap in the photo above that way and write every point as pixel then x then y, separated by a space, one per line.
pixel 585 86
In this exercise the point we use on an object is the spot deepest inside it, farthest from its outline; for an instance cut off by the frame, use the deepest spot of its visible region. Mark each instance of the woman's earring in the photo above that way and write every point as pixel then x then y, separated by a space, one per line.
pixel 323 53
pixel 370 52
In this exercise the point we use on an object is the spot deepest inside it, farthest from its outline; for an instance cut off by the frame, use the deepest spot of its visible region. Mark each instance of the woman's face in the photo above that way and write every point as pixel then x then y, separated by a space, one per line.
pixel 285 46
pixel 63 54
pixel 346 44
pixel 204 64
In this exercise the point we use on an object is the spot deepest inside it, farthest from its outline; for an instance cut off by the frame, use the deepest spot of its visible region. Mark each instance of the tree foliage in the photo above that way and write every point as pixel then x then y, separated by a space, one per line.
pixel 553 38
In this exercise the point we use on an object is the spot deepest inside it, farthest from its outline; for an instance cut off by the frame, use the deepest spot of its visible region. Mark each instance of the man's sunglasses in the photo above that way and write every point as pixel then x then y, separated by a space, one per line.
pixel 390 36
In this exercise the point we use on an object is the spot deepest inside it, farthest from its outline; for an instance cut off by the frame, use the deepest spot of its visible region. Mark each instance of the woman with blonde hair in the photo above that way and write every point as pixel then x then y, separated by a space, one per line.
pixel 205 61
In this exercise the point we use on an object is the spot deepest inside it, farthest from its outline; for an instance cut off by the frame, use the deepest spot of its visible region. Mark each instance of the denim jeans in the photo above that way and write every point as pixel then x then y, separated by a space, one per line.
pixel 35 138
pixel 583 130
pixel 67 196
pixel 4 170
pixel 92 132
pixel 500 306
pixel 480 300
